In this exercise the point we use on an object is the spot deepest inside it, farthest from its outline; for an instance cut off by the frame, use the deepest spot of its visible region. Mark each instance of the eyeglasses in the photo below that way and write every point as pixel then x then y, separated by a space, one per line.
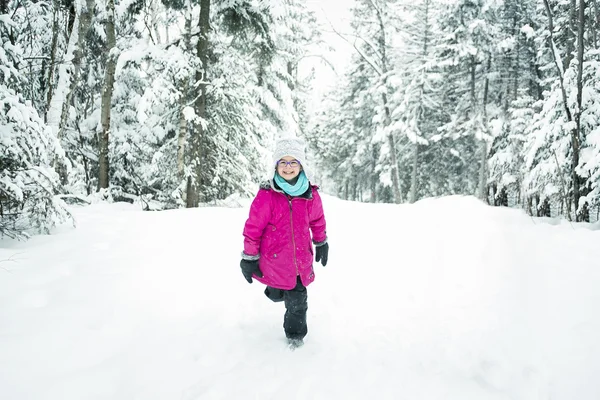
pixel 293 163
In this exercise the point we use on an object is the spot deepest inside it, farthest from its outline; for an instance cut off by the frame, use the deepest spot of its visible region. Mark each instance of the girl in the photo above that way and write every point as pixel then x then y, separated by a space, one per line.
pixel 277 236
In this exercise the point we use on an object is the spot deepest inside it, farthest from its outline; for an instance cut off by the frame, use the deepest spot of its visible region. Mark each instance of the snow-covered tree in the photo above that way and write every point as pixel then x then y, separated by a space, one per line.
pixel 342 135
pixel 559 150
pixel 520 88
pixel 418 98
pixel 28 184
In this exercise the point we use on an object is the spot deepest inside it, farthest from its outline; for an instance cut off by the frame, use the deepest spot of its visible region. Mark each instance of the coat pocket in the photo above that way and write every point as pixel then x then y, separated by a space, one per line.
pixel 273 241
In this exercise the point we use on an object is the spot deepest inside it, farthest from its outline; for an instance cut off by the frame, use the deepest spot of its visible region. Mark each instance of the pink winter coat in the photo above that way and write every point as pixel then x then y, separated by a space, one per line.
pixel 278 230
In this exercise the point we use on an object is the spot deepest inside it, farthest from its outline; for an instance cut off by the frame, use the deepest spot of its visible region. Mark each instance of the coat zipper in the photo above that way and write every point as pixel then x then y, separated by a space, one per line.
pixel 293 238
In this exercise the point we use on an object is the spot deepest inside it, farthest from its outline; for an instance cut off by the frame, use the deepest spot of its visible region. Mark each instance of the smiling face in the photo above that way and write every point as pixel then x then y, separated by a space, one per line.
pixel 289 168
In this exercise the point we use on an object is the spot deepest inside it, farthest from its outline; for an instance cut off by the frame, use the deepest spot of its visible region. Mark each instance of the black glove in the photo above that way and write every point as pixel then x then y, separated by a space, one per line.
pixel 322 253
pixel 249 268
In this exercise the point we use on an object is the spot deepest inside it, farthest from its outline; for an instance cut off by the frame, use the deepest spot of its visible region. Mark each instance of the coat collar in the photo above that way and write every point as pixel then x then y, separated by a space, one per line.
pixel 271 185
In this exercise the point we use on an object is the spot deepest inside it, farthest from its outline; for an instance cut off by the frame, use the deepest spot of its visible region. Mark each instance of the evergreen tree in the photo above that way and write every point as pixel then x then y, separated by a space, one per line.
pixel 418 113
pixel 343 137
pixel 28 184
pixel 520 89
pixel 468 53
pixel 559 133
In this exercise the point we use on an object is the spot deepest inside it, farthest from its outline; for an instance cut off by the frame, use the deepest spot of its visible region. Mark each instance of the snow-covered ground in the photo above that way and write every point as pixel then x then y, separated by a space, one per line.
pixel 443 299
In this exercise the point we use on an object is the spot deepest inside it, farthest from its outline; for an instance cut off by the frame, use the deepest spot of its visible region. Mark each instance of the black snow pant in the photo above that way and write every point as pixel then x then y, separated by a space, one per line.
pixel 296 305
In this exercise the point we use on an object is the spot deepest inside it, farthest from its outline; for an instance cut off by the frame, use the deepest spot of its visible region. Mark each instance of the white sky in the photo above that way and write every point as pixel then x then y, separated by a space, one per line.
pixel 331 14
pixel 444 299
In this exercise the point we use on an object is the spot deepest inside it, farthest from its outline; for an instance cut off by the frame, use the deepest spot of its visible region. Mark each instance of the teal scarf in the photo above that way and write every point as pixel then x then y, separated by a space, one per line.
pixel 296 189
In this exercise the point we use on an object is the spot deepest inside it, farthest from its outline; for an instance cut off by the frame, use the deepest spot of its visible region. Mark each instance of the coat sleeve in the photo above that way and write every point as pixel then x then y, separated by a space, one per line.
pixel 318 226
pixel 260 213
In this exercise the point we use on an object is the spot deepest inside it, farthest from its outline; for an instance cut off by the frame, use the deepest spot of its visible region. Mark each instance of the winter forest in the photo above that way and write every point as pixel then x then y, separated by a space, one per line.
pixel 176 103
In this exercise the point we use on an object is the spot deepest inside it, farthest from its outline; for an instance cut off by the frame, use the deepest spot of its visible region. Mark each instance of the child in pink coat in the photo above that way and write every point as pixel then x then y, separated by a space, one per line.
pixel 278 246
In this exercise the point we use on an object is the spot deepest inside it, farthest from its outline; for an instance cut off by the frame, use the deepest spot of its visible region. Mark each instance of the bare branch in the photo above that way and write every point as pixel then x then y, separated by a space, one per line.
pixel 365 57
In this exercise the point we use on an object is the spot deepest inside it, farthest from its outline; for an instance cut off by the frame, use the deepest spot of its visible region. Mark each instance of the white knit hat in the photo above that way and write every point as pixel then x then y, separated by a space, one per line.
pixel 293 147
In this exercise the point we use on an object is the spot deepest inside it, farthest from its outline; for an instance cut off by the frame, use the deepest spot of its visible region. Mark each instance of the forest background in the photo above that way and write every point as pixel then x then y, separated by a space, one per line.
pixel 177 103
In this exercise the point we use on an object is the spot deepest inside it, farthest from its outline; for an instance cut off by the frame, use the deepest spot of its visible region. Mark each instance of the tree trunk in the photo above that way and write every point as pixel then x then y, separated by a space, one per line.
pixel 50 76
pixel 560 69
pixel 557 60
pixel 292 75
pixel 473 70
pixel 58 103
pixel 388 120
pixel 83 26
pixel 394 161
pixel 198 151
pixel 484 145
pixel 515 69
pixel 483 172
pixel 56 100
pixel 413 184
pixel 481 191
pixel 571 34
pixel 374 178
pixel 183 125
pixel 595 22
pixel 346 190
pixel 577 134
pixel 107 90
pixel 182 133
pixel 419 112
